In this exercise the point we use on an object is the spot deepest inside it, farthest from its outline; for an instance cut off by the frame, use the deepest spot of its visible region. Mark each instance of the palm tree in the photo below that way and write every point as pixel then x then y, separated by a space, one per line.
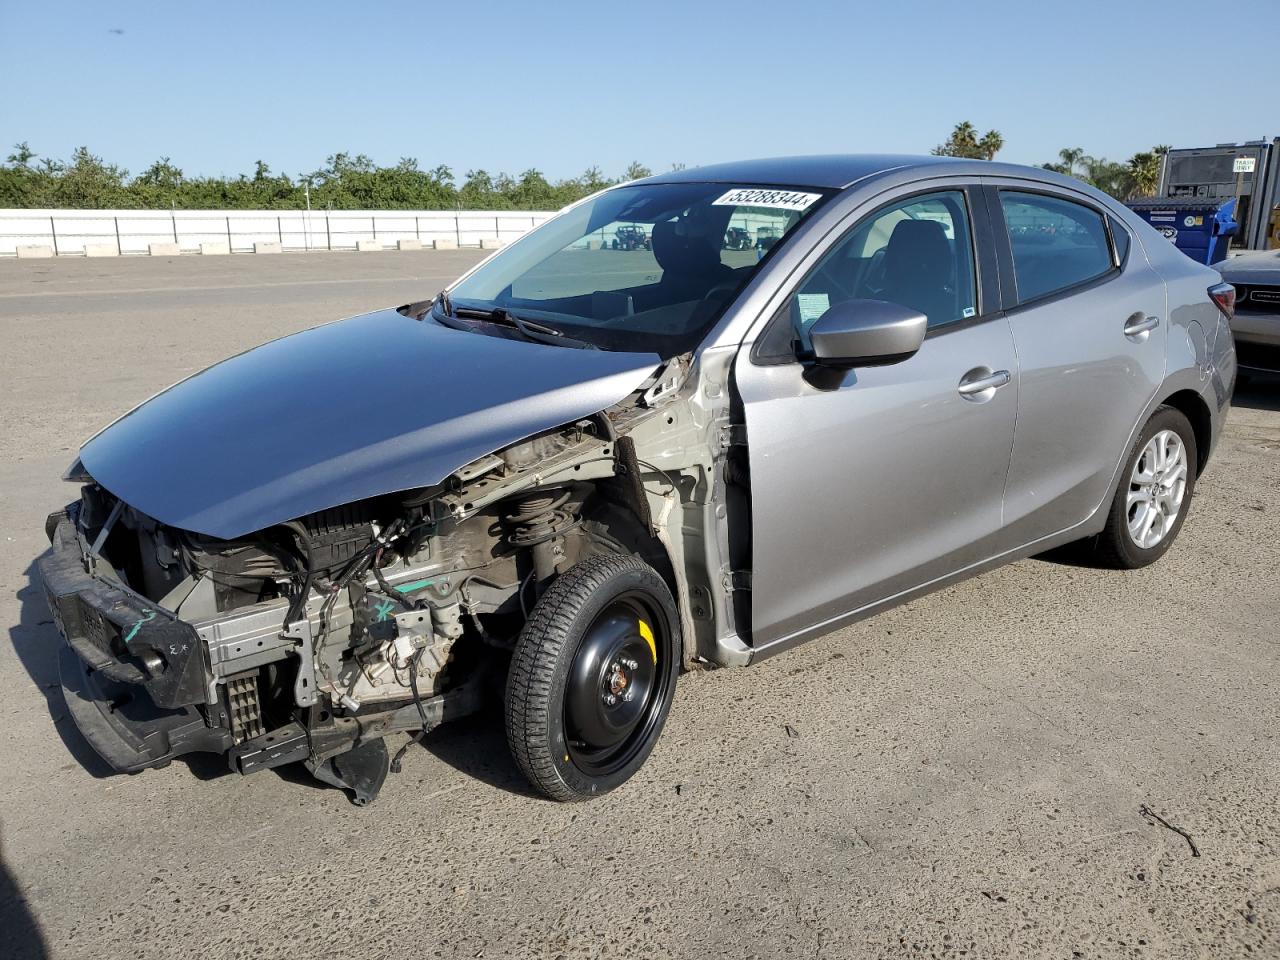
pixel 1070 156
pixel 965 133
pixel 990 144
pixel 1144 171
pixel 964 142
pixel 1106 175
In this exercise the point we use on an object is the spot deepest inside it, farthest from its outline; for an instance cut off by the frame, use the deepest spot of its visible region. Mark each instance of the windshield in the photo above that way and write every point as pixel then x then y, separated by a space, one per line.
pixel 646 268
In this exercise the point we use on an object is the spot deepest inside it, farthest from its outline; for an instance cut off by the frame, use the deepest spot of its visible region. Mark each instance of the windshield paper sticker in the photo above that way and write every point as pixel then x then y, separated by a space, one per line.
pixel 812 306
pixel 775 199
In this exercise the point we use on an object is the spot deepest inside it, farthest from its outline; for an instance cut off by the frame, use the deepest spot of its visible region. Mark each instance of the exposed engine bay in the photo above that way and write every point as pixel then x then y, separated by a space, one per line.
pixel 313 639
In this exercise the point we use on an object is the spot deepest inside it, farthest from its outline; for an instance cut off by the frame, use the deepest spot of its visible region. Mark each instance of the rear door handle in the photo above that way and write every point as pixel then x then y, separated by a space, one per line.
pixel 1140 323
pixel 976 383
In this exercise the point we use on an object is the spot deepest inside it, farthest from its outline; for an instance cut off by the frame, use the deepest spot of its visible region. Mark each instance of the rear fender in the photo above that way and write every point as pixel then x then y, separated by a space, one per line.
pixel 1181 384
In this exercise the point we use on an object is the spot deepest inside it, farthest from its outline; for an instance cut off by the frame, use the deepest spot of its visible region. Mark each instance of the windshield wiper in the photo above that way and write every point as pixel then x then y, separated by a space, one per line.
pixel 530 329
pixel 504 316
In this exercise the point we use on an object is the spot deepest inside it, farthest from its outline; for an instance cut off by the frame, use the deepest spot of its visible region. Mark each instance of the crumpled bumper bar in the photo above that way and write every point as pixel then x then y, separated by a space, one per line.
pixel 133 675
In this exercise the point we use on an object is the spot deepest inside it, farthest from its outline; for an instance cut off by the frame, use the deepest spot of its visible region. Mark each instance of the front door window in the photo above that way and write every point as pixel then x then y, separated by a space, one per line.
pixel 917 252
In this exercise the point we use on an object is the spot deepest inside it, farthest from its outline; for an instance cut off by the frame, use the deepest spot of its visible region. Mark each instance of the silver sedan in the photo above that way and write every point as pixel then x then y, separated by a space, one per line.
pixel 804 390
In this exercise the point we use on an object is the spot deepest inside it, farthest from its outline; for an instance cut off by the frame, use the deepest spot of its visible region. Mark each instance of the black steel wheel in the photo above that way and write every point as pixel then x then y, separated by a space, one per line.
pixel 592 677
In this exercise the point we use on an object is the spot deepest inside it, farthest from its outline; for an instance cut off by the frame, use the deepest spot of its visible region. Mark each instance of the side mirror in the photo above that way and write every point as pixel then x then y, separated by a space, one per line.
pixel 864 332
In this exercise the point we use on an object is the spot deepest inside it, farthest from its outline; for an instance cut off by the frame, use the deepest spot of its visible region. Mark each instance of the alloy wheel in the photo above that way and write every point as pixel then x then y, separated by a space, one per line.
pixel 1156 489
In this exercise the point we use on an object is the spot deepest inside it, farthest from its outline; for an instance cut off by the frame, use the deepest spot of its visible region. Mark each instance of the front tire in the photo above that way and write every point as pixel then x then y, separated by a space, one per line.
pixel 1154 494
pixel 592 677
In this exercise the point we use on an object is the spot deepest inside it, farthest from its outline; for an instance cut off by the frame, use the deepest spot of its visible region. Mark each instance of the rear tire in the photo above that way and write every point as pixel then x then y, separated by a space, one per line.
pixel 592 677
pixel 1153 496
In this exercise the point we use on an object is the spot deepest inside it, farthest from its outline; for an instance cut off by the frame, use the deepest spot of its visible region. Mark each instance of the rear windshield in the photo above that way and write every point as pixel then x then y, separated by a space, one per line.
pixel 645 268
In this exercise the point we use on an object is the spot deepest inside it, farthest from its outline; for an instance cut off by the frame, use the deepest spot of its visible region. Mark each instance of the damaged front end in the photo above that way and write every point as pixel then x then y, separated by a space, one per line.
pixel 298 643
pixel 312 639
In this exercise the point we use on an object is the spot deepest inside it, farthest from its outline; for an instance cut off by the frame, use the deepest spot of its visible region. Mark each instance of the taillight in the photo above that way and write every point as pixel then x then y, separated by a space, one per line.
pixel 1224 295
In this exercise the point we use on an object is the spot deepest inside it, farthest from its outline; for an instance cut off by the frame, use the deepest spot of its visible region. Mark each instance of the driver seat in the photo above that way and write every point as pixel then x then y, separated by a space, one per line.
pixel 918 269
pixel 690 260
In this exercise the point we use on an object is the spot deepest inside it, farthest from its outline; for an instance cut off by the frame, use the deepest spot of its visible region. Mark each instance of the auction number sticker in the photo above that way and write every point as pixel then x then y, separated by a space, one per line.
pixel 773 199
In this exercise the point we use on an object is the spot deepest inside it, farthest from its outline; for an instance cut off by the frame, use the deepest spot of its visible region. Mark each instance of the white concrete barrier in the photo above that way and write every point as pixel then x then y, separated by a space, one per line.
pixel 33 251
pixel 368 246
pixel 133 232
pixel 101 250
pixel 491 243
pixel 215 248
pixel 164 249
pixel 267 246
pixel 408 244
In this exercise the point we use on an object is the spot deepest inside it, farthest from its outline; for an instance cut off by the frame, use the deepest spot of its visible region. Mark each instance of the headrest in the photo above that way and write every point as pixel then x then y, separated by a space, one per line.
pixel 680 247
pixel 918 240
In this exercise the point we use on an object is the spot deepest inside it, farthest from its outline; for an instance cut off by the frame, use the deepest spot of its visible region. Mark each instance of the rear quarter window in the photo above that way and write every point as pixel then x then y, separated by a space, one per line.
pixel 1120 237
pixel 1056 243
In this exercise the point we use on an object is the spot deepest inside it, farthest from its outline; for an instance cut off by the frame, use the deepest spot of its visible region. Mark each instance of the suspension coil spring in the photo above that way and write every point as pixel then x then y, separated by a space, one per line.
pixel 537 518
pixel 537 523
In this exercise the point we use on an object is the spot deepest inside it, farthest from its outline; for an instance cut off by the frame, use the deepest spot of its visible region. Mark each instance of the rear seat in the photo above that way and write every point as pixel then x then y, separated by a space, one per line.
pixel 1042 270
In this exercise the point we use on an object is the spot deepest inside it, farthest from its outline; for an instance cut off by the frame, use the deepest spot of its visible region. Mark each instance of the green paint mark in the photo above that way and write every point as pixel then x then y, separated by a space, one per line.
pixel 415 585
pixel 383 610
pixel 147 617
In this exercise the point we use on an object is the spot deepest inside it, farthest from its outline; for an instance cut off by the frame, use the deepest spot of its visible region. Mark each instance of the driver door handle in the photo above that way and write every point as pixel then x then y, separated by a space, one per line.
pixel 971 385
pixel 1139 324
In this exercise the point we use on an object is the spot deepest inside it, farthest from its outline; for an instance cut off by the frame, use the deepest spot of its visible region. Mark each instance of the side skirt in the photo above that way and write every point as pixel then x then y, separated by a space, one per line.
pixel 1080 530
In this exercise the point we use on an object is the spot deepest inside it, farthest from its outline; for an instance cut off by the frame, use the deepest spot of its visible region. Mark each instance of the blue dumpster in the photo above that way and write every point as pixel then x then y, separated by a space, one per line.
pixel 1201 229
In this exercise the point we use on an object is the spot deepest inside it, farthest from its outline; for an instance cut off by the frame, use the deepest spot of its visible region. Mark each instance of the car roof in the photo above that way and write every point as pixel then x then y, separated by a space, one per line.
pixel 837 171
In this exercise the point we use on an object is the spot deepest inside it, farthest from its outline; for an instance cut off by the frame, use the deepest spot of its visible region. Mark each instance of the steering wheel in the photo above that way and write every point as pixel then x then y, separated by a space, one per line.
pixel 873 277
pixel 714 299
pixel 720 289
pixel 832 281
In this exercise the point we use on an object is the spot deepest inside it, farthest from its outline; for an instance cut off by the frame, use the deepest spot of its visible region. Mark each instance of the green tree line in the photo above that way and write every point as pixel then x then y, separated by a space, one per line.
pixel 355 182
pixel 345 182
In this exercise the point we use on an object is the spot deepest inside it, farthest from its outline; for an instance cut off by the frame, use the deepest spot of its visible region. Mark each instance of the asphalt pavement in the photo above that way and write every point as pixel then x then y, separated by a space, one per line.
pixel 1048 760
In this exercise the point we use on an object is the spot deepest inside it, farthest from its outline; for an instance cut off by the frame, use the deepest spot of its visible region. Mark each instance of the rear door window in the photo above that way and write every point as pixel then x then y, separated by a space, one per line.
pixel 1056 243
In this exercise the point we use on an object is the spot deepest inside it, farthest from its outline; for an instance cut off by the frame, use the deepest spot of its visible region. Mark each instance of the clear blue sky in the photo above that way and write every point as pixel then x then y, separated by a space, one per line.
pixel 564 85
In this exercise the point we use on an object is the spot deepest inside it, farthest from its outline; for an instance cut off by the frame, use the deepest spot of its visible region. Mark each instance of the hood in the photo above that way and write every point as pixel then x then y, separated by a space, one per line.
pixel 1249 268
pixel 353 409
